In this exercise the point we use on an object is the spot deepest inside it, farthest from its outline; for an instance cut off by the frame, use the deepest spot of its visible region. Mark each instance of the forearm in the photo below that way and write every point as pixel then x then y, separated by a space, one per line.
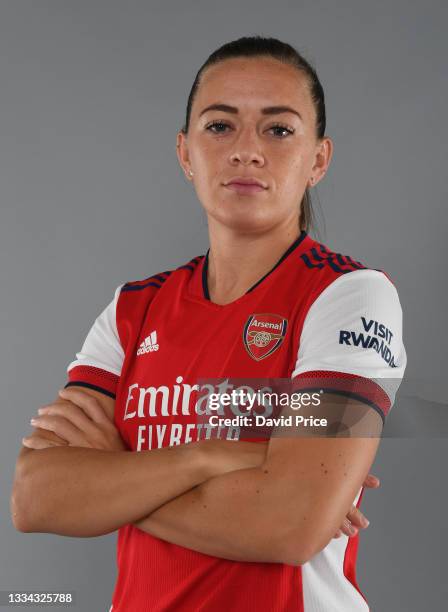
pixel 233 516
pixel 88 492
pixel 286 510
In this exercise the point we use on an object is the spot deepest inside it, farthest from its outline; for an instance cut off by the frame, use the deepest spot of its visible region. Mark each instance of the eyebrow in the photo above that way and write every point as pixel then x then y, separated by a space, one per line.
pixel 268 110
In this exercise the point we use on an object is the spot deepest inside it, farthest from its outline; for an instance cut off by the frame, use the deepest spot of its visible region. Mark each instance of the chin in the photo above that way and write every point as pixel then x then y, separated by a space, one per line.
pixel 245 221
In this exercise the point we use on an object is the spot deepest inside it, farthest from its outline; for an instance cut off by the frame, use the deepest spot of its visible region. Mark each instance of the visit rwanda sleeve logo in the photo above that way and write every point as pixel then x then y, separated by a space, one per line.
pixel 373 335
pixel 263 334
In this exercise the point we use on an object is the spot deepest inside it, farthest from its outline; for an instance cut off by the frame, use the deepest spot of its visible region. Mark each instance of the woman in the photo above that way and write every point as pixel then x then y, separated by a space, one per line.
pixel 215 524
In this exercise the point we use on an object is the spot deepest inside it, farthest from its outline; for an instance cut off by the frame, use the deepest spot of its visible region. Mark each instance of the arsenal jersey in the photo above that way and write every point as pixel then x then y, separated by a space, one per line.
pixel 315 313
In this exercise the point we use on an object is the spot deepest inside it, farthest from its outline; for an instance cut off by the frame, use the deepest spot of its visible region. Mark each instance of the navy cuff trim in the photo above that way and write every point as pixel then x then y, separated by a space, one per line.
pixel 356 396
pixel 75 383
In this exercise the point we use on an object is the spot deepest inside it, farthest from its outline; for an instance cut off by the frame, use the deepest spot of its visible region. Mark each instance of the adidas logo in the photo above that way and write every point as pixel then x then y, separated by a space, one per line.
pixel 149 344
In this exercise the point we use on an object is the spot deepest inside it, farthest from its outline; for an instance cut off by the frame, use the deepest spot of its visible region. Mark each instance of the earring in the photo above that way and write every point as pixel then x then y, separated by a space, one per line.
pixel 191 173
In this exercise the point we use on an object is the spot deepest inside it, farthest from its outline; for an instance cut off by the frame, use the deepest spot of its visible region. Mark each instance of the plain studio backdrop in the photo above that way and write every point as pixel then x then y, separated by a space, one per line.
pixel 91 97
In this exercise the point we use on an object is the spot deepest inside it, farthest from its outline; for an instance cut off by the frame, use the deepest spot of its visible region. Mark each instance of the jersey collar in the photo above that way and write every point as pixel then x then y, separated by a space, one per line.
pixel 289 250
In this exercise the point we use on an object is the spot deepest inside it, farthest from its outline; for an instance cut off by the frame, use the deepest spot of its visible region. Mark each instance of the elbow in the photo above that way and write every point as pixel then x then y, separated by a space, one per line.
pixel 295 557
pixel 18 508
pixel 289 549
pixel 296 548
pixel 18 518
pixel 294 554
pixel 290 543
pixel 300 540
pixel 19 503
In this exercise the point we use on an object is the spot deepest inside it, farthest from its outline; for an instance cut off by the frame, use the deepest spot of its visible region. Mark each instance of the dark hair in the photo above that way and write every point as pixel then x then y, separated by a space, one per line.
pixel 256 46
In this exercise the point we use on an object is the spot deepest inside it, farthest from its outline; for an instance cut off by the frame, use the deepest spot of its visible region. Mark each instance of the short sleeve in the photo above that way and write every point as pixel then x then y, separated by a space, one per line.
pixel 352 339
pixel 98 365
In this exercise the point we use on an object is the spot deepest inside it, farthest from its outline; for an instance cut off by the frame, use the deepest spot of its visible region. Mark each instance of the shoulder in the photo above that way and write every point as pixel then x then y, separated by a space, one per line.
pixel 361 293
pixel 156 281
pixel 350 308
pixel 333 275
pixel 357 322
pixel 323 260
pixel 360 287
pixel 345 288
pixel 354 326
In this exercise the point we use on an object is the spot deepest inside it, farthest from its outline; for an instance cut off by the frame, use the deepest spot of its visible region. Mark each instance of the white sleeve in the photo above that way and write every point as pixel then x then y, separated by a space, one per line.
pixel 353 331
pixel 98 365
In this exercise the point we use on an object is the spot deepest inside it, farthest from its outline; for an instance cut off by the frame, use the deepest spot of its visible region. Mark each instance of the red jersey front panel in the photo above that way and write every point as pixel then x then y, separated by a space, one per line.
pixel 315 311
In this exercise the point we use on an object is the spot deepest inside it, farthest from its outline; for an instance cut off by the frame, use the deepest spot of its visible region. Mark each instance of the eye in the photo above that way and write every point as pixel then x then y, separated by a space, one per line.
pixel 221 124
pixel 214 124
pixel 285 128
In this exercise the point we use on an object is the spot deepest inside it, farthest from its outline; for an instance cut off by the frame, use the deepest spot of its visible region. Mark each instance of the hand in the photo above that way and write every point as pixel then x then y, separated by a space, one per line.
pixel 84 424
pixel 355 519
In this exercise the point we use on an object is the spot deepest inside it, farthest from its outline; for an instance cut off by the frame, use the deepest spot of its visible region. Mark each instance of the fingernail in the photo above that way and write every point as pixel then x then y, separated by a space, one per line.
pixel 365 522
pixel 33 421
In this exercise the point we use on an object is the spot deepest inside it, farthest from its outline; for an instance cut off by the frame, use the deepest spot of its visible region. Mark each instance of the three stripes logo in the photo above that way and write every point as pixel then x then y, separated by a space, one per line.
pixel 319 257
pixel 149 344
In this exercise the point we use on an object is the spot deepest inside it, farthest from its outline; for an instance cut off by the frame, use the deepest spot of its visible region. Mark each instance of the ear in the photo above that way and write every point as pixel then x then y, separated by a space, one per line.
pixel 324 153
pixel 182 153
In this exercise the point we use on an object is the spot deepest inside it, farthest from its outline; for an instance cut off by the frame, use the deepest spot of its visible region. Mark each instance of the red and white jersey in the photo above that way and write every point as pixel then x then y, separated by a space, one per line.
pixel 158 336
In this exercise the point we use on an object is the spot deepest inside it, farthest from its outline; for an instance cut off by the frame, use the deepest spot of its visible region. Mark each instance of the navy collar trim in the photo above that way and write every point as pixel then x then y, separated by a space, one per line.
pixel 289 250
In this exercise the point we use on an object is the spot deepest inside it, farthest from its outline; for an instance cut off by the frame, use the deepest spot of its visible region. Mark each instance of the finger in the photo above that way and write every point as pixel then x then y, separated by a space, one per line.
pixel 63 428
pixel 46 434
pixel 38 443
pixel 357 518
pixel 348 529
pixel 87 402
pixel 371 481
pixel 73 413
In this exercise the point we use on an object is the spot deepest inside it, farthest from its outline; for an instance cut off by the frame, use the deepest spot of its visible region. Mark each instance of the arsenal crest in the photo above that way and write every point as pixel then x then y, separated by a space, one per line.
pixel 263 334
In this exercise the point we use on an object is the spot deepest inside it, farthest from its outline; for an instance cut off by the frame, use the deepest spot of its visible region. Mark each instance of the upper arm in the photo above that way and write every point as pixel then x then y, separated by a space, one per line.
pixel 98 364
pixel 317 479
pixel 340 352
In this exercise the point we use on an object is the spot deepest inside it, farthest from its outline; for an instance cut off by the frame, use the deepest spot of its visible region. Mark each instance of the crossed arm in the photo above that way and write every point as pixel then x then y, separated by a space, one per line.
pixel 245 515
pixel 284 509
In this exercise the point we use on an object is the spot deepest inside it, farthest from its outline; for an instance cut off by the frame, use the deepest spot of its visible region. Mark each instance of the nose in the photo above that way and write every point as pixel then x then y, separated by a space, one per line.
pixel 246 149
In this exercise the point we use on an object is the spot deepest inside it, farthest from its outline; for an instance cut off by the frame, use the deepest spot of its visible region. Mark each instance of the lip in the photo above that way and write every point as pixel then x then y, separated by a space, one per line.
pixel 245 188
pixel 245 184
pixel 246 180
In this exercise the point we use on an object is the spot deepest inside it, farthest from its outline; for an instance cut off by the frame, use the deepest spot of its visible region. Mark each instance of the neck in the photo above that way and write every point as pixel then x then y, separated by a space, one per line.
pixel 237 261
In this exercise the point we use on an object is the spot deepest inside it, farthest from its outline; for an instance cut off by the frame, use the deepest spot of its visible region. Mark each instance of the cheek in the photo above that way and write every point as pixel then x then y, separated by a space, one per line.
pixel 212 169
pixel 208 162
pixel 296 162
pixel 292 172
pixel 287 158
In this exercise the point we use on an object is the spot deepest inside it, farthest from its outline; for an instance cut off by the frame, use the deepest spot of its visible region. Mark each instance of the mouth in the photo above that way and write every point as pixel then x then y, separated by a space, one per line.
pixel 245 188
pixel 246 185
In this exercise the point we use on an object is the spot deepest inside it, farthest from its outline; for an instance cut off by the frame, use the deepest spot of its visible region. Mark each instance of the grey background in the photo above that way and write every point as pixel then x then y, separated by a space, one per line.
pixel 91 97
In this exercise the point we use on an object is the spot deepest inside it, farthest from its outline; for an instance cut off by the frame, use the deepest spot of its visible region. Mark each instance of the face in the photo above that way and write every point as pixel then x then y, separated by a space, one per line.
pixel 278 148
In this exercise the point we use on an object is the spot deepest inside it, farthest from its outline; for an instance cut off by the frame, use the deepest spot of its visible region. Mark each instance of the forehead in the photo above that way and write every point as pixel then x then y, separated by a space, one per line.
pixel 251 83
